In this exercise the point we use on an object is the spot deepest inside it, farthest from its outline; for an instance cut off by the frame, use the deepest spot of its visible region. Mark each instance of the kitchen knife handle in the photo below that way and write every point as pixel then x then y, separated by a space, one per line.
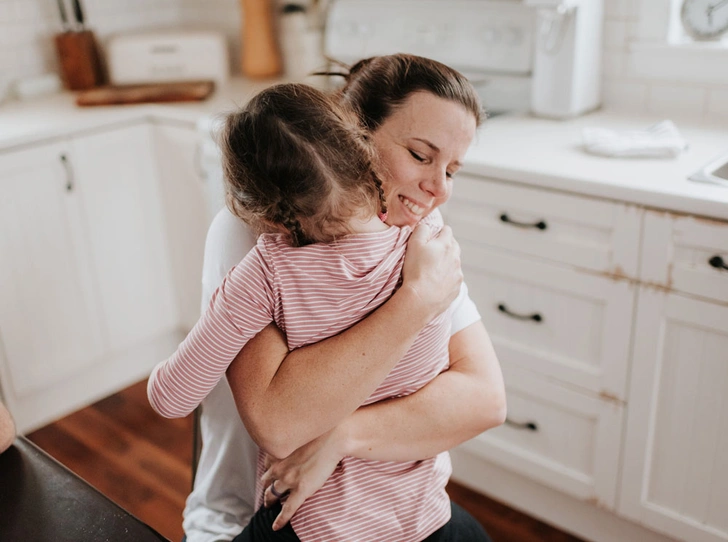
pixel 78 13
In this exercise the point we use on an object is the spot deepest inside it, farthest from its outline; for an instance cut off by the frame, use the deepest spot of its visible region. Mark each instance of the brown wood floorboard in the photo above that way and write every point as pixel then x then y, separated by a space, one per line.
pixel 142 462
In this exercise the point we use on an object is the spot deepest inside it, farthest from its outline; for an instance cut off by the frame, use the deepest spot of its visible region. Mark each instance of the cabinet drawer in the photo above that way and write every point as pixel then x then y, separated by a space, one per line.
pixel 556 436
pixel 687 254
pixel 554 320
pixel 584 232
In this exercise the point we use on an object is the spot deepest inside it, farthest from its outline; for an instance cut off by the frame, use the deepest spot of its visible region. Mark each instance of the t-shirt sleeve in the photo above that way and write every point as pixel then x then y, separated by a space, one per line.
pixel 464 311
pixel 242 306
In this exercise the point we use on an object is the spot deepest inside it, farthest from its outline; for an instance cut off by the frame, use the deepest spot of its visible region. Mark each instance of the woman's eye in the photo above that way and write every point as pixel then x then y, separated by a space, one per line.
pixel 449 175
pixel 416 156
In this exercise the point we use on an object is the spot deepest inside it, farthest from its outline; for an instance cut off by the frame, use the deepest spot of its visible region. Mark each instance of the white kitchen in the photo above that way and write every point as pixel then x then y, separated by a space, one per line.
pixel 591 211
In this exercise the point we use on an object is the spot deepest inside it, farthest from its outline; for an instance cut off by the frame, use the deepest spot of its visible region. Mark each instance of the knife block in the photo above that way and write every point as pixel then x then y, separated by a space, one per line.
pixel 79 59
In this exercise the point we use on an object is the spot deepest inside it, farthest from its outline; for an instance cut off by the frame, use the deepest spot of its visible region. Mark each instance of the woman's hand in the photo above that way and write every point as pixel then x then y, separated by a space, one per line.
pixel 300 474
pixel 432 269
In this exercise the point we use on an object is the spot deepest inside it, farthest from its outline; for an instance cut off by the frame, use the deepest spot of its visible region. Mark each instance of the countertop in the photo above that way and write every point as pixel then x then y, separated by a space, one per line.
pixel 516 148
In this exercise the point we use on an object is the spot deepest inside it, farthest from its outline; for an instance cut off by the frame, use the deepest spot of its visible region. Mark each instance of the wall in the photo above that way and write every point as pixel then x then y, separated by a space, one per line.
pixel 27 27
pixel 625 91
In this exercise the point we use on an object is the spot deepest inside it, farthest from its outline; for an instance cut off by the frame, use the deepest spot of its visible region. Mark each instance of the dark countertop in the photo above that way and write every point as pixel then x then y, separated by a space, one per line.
pixel 41 500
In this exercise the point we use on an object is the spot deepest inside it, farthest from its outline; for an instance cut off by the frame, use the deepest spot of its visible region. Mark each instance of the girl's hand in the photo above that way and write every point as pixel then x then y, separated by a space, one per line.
pixel 300 475
pixel 432 269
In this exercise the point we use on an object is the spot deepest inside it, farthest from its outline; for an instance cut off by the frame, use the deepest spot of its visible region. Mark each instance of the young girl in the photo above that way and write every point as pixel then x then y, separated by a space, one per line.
pixel 298 164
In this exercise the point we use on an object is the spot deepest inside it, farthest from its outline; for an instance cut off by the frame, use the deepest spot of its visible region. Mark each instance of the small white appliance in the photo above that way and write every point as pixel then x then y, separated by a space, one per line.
pixel 542 56
pixel 163 57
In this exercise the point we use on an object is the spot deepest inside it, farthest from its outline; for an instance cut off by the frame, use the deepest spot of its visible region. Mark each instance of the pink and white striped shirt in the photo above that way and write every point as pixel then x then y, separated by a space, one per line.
pixel 311 293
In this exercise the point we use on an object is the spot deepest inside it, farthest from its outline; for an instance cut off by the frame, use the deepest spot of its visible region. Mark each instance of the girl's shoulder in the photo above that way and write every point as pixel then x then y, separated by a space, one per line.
pixel 434 220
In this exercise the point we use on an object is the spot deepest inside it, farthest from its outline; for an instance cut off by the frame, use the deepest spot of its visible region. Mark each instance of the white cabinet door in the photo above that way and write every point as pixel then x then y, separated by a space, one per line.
pixel 675 476
pixel 686 254
pixel 562 323
pixel 185 196
pixel 117 179
pixel 557 436
pixel 49 317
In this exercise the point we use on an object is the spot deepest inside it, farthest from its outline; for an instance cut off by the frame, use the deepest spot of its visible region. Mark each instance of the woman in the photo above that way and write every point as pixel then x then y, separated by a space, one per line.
pixel 414 109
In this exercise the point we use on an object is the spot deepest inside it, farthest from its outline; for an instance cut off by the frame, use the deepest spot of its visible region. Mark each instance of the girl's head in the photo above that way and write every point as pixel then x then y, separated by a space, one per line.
pixel 422 116
pixel 296 161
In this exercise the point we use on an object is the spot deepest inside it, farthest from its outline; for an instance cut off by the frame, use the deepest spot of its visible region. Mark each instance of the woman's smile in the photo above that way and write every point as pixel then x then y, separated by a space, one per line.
pixel 421 146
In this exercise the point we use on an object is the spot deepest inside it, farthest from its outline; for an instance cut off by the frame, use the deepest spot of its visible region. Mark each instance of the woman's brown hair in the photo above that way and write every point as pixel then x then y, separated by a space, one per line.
pixel 376 86
pixel 294 158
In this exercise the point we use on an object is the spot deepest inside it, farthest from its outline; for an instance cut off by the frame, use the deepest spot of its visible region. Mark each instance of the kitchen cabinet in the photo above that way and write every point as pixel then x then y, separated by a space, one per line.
pixel 50 318
pixel 184 190
pixel 675 476
pixel 548 274
pixel 611 325
pixel 87 305
pixel 117 180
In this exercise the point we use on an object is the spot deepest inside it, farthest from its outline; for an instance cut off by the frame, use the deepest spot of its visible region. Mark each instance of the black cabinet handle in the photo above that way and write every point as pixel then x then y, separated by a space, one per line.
pixel 536 317
pixel 541 225
pixel 718 263
pixel 530 426
pixel 69 172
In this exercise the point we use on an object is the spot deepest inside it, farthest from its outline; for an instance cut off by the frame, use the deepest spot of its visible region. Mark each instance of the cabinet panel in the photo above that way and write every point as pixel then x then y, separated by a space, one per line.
pixel 117 178
pixel 553 320
pixel 557 436
pixel 584 232
pixel 675 477
pixel 185 197
pixel 49 318
pixel 687 254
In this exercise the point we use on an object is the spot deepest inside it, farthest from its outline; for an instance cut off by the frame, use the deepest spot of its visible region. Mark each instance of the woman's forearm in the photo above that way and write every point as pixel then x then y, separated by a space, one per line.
pixel 287 403
pixel 456 406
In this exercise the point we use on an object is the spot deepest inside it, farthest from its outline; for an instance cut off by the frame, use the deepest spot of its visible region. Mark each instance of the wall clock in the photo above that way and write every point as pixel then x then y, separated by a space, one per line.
pixel 705 19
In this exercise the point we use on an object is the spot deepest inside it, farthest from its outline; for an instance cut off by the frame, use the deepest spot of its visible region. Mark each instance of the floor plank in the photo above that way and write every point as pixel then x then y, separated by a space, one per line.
pixel 143 463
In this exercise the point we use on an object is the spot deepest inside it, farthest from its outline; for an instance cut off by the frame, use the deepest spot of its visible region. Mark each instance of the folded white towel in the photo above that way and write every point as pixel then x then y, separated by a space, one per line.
pixel 661 140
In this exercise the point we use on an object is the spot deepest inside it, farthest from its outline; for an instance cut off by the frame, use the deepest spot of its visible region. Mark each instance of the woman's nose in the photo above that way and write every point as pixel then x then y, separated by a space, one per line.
pixel 437 184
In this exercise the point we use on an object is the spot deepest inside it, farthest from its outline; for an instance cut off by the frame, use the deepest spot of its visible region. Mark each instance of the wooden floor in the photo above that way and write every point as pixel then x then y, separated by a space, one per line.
pixel 142 462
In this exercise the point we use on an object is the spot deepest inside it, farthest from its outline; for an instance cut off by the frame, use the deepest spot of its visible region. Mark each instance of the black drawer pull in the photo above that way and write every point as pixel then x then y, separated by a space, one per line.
pixel 541 225
pixel 718 263
pixel 531 426
pixel 69 172
pixel 536 317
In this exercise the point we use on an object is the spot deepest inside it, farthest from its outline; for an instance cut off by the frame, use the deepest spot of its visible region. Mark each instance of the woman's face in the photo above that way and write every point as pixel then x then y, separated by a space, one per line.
pixel 421 146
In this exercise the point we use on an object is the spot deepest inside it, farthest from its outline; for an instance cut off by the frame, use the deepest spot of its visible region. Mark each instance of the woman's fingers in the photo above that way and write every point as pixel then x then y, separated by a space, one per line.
pixel 293 502
pixel 432 268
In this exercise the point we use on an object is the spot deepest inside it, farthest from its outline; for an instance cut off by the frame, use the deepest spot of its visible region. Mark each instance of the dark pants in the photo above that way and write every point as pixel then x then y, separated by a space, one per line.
pixel 462 527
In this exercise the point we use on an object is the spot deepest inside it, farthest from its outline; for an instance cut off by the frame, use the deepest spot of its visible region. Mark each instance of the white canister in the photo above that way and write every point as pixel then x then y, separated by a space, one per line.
pixel 301 42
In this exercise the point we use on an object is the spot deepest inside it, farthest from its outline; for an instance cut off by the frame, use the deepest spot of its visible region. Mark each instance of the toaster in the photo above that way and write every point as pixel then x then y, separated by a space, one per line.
pixel 164 57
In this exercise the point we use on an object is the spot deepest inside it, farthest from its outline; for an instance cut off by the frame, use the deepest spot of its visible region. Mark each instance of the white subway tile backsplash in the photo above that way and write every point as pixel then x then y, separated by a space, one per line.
pixel 27 28
pixel 625 95
pixel 613 64
pixel 717 102
pixel 677 100
pixel 615 34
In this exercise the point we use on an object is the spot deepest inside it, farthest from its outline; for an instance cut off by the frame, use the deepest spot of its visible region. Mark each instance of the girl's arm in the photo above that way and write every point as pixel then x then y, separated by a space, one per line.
pixel 239 309
pixel 286 403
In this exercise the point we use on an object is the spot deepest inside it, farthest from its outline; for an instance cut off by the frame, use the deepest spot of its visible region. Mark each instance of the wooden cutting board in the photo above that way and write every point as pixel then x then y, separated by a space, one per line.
pixel 189 91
